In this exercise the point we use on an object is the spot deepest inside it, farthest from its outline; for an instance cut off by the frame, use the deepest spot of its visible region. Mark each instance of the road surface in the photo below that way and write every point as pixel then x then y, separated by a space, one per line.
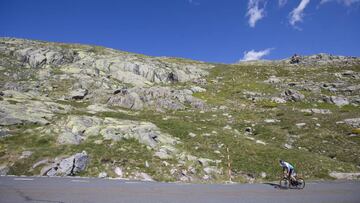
pixel 55 190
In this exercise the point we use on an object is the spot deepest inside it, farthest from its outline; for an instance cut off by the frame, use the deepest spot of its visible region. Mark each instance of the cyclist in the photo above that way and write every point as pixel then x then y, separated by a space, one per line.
pixel 290 171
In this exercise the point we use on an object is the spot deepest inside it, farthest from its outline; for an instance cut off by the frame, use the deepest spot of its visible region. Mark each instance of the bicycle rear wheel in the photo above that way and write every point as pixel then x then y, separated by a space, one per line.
pixel 284 183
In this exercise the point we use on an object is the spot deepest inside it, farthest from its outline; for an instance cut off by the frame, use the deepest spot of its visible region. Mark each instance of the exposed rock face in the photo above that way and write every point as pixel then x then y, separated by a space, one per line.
pixel 159 98
pixel 196 89
pixel 4 170
pixel 143 176
pixel 126 67
pixel 78 93
pixel 323 59
pixel 145 133
pixel 37 57
pixel 25 154
pixel 97 74
pixel 119 172
pixel 293 95
pixel 339 101
pixel 354 122
pixel 75 129
pixel 352 89
pixel 295 59
pixel 212 170
pixel 13 86
pixel 4 132
pixel 278 100
pixel 67 167
pixel 33 112
pixel 102 175
pixel 345 176
pixel 129 100
pixel 154 70
pixel 317 111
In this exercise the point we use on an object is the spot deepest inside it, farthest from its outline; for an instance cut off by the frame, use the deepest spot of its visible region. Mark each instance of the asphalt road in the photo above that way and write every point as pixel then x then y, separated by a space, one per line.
pixel 45 189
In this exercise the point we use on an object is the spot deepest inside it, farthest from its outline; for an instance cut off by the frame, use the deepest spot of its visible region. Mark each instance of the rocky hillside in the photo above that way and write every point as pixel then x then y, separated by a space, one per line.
pixel 69 109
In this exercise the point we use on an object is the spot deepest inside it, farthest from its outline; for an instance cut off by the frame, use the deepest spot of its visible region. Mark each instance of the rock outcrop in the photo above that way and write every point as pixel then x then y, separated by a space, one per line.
pixel 75 129
pixel 67 167
pixel 4 170
pixel 293 95
pixel 354 122
pixel 99 61
pixel 30 112
pixel 158 98
pixel 345 176
pixel 323 59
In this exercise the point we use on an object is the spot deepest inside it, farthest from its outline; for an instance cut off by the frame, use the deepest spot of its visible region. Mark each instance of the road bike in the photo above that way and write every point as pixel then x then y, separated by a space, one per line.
pixel 288 183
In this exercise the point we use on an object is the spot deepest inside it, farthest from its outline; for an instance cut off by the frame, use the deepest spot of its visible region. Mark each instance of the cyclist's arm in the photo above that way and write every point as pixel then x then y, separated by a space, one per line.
pixel 285 170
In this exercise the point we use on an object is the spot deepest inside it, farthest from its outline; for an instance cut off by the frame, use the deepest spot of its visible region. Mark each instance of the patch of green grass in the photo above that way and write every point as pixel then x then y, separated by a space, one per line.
pixel 127 154
pixel 12 101
pixel 322 148
pixel 356 131
pixel 57 71
pixel 268 104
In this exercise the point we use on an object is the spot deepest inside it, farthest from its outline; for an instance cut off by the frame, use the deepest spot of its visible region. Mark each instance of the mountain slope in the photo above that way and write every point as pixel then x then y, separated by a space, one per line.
pixel 174 119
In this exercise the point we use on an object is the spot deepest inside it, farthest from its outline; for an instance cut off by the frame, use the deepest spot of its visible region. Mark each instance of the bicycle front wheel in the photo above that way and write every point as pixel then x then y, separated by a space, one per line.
pixel 284 183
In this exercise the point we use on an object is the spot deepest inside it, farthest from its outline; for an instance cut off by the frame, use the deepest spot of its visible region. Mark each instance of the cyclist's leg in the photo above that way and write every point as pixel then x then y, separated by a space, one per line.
pixel 291 173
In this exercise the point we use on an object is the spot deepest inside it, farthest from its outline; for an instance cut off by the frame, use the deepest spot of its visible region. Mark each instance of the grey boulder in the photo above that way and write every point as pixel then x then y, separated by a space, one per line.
pixel 293 95
pixel 353 122
pixel 78 94
pixel 4 170
pixel 339 101
pixel 69 166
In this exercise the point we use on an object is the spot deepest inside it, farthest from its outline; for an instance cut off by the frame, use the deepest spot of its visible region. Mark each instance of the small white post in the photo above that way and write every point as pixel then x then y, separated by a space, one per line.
pixel 229 164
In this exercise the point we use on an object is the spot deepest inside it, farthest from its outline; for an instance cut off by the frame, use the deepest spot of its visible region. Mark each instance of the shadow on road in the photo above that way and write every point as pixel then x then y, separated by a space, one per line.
pixel 276 186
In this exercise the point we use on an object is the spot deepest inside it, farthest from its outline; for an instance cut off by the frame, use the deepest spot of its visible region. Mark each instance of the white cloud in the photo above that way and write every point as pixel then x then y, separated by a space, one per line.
pixel 255 11
pixel 345 2
pixel 297 14
pixel 255 55
pixel 282 3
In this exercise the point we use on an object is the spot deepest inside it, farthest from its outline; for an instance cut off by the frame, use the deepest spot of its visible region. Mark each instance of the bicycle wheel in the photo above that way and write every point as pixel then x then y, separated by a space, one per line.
pixel 300 183
pixel 284 183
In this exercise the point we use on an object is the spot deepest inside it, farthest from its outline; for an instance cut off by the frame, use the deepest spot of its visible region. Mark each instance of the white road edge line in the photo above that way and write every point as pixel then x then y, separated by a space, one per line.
pixel 132 182
pixel 24 179
pixel 80 181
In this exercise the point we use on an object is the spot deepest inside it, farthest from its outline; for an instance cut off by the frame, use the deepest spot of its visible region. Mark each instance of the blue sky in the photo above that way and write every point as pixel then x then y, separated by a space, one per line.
pixel 209 30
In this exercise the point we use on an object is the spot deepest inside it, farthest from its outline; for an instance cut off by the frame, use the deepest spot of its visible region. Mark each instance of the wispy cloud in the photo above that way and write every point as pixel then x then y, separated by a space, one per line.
pixel 255 55
pixel 282 3
pixel 256 11
pixel 297 14
pixel 345 2
pixel 193 2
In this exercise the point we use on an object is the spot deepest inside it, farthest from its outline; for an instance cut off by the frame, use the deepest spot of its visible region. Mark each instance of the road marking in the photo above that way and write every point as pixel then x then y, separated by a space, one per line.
pixel 24 179
pixel 80 181
pixel 132 182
